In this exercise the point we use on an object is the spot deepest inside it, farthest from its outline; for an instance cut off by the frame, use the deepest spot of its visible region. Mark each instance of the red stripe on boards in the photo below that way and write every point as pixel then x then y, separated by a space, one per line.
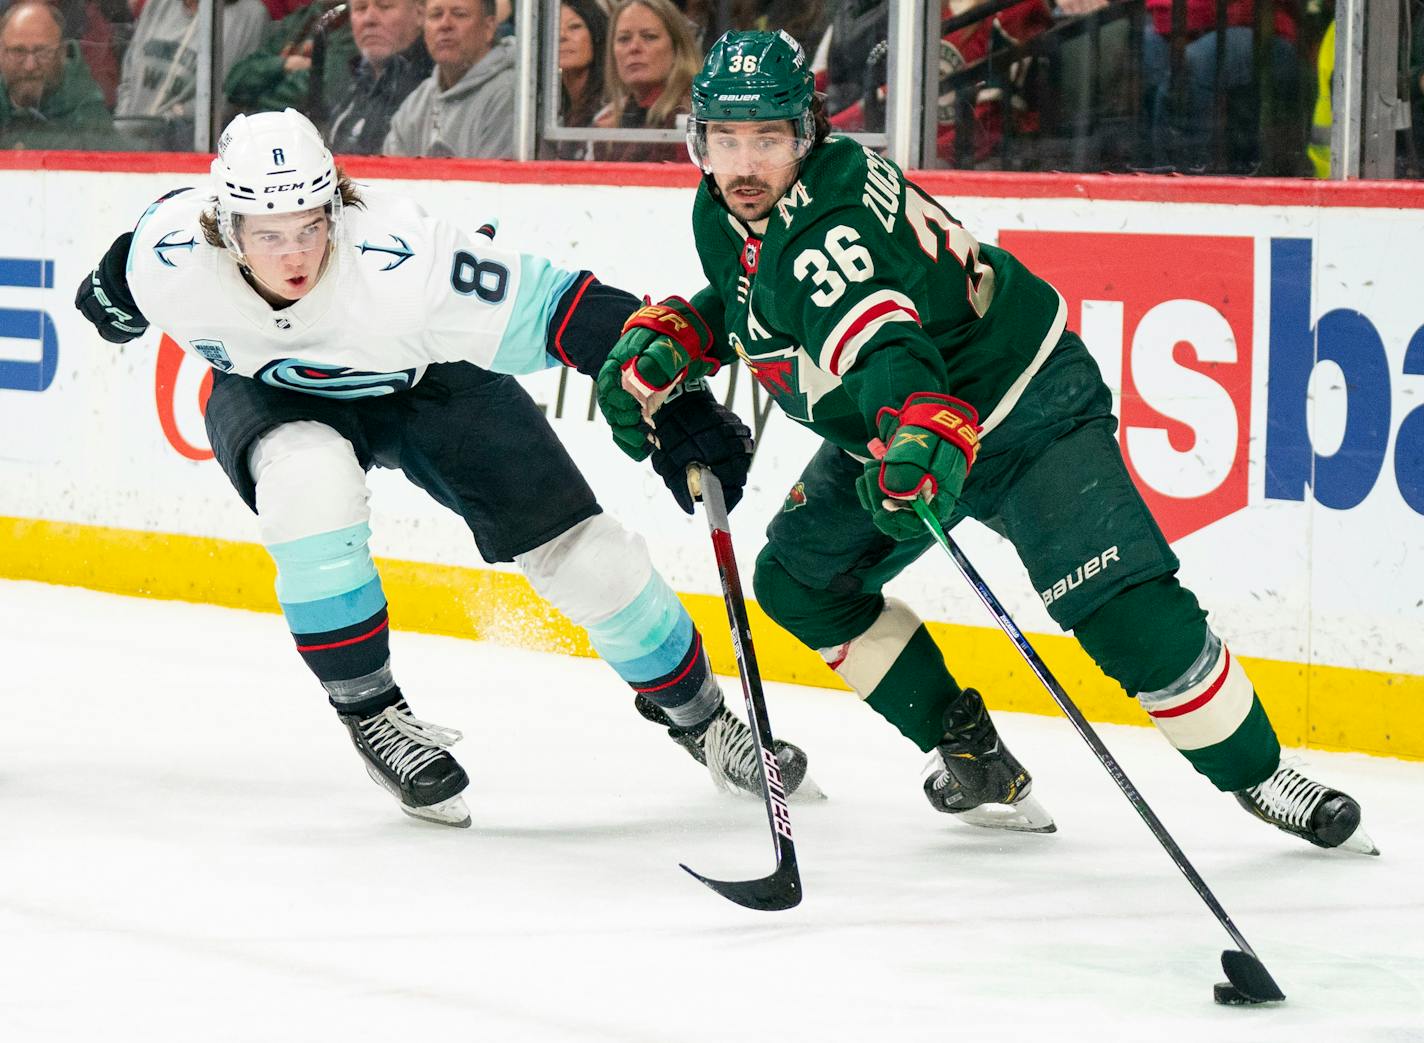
pixel 1146 188
pixel 1201 700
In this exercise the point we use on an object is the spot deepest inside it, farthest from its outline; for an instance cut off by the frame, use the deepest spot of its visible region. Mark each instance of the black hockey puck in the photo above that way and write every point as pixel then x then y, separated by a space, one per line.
pixel 1229 995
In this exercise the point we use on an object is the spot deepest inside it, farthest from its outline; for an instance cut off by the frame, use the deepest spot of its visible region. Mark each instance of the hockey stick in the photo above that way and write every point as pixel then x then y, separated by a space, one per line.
pixel 1250 982
pixel 782 889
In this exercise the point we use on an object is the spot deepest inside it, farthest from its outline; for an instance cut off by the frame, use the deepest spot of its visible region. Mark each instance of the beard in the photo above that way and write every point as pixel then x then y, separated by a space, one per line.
pixel 752 183
pixel 28 93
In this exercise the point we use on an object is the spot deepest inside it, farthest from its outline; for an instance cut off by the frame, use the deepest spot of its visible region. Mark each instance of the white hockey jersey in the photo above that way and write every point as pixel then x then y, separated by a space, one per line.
pixel 402 290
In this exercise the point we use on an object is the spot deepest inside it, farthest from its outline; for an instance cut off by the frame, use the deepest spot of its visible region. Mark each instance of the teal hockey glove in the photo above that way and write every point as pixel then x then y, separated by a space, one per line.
pixel 662 345
pixel 925 450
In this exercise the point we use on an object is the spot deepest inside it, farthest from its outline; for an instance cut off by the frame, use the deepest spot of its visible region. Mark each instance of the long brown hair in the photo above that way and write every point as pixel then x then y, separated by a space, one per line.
pixel 212 235
pixel 580 112
pixel 686 61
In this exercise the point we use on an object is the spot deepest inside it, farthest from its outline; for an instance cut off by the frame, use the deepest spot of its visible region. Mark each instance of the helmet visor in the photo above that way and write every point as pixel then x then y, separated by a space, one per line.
pixel 735 147
pixel 273 235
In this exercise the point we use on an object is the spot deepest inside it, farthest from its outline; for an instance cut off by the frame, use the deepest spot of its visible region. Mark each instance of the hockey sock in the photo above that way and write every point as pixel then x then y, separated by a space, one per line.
pixel 600 575
pixel 1154 641
pixel 891 662
pixel 897 668
pixel 653 645
pixel 1213 716
pixel 331 596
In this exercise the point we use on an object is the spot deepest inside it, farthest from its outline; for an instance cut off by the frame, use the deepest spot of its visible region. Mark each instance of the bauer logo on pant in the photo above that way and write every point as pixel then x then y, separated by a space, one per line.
pixel 1080 575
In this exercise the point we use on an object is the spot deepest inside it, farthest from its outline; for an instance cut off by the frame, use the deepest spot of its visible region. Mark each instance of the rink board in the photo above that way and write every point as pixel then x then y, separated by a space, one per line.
pixel 1263 341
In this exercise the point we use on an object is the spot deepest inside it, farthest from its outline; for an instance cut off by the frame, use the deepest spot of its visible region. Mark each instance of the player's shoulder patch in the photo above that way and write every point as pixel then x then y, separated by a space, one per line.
pixel 387 231
pixel 388 251
pixel 168 235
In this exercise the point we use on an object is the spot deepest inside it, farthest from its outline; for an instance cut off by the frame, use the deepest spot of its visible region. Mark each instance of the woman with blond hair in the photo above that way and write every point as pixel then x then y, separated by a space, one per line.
pixel 651 60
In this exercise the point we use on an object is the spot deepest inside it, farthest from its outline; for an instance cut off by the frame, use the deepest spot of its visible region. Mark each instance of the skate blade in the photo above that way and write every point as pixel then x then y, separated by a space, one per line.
pixel 807 793
pixel 449 812
pixel 1359 842
pixel 1024 816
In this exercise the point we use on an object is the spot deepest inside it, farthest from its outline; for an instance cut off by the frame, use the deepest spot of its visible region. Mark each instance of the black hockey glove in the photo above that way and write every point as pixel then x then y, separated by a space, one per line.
pixel 693 427
pixel 104 297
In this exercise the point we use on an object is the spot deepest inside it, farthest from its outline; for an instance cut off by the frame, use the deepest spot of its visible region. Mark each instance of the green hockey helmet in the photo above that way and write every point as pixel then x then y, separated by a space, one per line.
pixel 752 77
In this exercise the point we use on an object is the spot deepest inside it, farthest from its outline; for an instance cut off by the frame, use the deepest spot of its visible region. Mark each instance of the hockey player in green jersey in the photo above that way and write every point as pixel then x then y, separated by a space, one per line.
pixel 873 318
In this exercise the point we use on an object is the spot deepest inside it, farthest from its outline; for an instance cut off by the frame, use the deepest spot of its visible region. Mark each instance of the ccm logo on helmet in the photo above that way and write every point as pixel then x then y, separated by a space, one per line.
pixel 283 188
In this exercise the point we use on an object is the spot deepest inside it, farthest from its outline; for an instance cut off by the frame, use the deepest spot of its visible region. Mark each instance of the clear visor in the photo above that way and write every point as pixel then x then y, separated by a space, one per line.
pixel 747 149
pixel 275 235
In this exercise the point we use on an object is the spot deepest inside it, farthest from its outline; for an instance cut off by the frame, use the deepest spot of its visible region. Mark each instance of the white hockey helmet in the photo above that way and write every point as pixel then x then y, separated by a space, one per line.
pixel 273 163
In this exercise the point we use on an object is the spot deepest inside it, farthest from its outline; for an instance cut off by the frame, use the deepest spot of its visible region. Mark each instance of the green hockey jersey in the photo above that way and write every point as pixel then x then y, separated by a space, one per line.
pixel 861 291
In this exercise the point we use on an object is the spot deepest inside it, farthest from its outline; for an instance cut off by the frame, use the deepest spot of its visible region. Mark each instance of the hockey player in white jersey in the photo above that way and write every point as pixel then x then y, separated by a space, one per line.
pixel 347 329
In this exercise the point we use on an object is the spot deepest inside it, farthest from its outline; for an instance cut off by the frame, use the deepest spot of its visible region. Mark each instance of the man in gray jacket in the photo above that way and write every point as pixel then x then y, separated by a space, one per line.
pixel 158 90
pixel 466 106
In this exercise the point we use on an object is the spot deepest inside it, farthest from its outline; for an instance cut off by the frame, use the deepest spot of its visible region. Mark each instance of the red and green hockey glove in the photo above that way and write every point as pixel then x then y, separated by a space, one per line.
pixel 925 449
pixel 662 345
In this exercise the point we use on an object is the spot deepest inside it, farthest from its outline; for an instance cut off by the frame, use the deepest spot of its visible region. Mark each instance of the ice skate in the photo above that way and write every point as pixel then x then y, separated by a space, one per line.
pixel 407 757
pixel 725 746
pixel 972 775
pixel 1298 805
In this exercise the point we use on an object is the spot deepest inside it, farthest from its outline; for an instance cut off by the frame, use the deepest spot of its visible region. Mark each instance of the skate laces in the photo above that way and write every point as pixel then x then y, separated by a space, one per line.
pixel 405 742
pixel 934 771
pixel 1289 796
pixel 730 751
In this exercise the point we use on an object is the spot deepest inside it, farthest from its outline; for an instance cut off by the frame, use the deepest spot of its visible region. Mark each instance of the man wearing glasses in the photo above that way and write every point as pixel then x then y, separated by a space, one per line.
pixel 48 99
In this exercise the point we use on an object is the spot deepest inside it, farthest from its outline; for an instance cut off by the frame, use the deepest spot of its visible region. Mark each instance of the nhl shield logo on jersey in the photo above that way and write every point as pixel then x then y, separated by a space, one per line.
pixel 215 354
pixel 795 498
pixel 750 254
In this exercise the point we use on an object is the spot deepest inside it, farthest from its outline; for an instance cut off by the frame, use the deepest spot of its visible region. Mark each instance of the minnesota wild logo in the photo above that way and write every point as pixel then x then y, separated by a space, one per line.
pixel 795 498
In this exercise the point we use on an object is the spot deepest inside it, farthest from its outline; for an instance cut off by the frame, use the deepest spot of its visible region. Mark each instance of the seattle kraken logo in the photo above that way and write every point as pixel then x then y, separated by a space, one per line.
pixel 314 378
pixel 401 252
pixel 161 247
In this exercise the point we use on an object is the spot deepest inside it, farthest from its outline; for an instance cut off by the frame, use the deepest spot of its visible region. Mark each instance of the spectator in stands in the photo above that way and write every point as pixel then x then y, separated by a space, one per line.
pixel 466 106
pixel 1183 140
pixel 995 105
pixel 1097 120
pixel 856 44
pixel 278 74
pixel 583 38
pixel 86 24
pixel 279 9
pixel 804 20
pixel 392 61
pixel 650 64
pixel 48 99
pixel 1321 119
pixel 158 85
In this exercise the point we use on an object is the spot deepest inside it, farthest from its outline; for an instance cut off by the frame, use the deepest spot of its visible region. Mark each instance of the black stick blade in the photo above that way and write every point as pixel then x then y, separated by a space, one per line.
pixel 1249 978
pixel 780 890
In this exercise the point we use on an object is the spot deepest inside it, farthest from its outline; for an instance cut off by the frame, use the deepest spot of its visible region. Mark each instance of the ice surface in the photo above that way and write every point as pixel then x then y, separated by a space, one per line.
pixel 191 851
